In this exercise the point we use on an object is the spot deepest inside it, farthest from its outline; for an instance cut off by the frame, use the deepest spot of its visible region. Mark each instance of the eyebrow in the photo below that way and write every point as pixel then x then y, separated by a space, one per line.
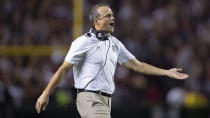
pixel 108 13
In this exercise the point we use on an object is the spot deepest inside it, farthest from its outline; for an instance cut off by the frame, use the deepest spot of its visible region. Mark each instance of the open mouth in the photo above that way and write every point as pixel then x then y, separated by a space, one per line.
pixel 111 24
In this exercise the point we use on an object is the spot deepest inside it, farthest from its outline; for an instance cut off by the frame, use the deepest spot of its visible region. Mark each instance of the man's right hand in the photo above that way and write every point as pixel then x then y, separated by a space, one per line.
pixel 43 100
pixel 42 103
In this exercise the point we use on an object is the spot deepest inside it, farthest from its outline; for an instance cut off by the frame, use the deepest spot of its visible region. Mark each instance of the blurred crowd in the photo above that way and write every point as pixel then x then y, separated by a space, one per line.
pixel 164 33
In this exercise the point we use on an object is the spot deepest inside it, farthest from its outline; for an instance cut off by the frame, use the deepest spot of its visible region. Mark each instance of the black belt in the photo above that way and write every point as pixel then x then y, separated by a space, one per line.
pixel 97 92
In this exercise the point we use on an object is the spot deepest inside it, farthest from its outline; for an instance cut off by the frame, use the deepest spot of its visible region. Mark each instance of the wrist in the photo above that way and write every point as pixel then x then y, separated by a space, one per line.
pixel 166 72
pixel 45 93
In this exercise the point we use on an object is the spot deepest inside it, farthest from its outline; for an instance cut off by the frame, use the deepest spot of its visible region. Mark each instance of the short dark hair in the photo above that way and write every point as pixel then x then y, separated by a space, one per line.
pixel 94 12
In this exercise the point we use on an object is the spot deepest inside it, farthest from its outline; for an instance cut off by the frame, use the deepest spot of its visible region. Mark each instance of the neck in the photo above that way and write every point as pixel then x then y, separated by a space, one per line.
pixel 99 29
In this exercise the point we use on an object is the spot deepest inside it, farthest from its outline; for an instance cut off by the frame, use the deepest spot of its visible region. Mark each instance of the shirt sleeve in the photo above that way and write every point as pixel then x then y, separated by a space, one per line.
pixel 77 51
pixel 124 55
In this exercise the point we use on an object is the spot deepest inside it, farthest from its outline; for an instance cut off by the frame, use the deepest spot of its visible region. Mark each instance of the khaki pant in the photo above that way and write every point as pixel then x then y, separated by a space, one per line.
pixel 92 105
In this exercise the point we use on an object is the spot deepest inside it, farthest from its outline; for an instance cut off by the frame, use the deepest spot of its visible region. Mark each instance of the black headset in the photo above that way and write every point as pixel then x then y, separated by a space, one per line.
pixel 100 34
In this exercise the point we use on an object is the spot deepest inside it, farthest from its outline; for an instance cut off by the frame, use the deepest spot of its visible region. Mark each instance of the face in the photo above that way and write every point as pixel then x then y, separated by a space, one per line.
pixel 106 19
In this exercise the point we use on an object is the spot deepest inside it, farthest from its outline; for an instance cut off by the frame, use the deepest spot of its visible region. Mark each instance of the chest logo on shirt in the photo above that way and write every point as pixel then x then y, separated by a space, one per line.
pixel 114 48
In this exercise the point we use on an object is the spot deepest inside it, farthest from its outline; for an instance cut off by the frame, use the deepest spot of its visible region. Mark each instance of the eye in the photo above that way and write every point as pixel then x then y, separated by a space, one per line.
pixel 108 15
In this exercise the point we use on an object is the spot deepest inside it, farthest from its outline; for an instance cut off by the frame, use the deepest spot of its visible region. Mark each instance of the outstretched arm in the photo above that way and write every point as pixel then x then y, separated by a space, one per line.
pixel 42 101
pixel 145 68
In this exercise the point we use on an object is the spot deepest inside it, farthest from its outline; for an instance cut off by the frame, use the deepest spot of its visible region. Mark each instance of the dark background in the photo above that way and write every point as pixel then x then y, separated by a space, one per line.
pixel 164 33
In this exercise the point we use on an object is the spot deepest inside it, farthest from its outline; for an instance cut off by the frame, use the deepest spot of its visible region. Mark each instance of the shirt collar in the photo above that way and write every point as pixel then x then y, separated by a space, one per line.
pixel 90 31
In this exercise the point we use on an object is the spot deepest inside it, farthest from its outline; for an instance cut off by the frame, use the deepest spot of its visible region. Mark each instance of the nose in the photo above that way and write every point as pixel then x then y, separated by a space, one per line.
pixel 112 17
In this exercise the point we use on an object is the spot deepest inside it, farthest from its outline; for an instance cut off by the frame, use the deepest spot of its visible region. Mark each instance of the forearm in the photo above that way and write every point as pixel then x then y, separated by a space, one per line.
pixel 145 68
pixel 56 79
pixel 150 70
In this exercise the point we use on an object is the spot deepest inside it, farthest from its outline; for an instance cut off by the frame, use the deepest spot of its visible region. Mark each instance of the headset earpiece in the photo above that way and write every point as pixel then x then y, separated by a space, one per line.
pixel 101 35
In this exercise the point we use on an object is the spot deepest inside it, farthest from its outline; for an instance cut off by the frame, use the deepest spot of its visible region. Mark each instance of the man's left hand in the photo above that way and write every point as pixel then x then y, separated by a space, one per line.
pixel 176 73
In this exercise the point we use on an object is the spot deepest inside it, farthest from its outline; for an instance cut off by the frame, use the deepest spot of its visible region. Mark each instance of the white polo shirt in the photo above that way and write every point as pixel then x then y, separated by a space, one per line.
pixel 95 62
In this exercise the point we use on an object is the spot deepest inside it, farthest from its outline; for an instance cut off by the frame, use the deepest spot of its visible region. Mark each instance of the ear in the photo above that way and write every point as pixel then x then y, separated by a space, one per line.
pixel 96 22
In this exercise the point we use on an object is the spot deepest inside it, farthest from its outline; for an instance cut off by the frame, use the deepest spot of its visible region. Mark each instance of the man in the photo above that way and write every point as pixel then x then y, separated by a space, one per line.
pixel 94 57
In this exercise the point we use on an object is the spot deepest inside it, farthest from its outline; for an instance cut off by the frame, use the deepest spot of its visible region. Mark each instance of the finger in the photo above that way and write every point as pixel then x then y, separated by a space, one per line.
pixel 39 108
pixel 36 106
pixel 178 69
pixel 178 75
pixel 184 76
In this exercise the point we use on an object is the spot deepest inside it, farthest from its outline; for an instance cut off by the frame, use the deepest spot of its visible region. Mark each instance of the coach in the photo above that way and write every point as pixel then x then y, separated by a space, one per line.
pixel 94 57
